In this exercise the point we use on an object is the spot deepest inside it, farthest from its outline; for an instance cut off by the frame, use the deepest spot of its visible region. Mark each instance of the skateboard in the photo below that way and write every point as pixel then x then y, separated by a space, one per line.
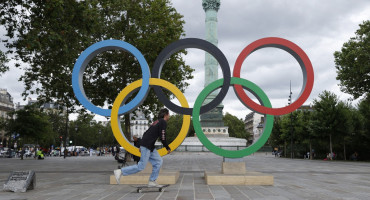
pixel 141 187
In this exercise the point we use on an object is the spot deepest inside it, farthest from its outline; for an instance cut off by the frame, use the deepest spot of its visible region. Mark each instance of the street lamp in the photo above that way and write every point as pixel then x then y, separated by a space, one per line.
pixel 99 142
pixel 291 122
pixel 76 128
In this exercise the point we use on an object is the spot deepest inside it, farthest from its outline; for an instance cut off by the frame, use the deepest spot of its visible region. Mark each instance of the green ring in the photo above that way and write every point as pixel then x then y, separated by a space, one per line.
pixel 229 153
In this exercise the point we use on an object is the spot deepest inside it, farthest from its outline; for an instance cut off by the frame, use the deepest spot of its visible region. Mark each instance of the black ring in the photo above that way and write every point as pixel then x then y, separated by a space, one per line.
pixel 198 44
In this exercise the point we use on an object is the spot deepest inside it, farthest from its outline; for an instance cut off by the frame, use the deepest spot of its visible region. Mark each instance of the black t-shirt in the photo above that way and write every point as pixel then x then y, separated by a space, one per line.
pixel 155 131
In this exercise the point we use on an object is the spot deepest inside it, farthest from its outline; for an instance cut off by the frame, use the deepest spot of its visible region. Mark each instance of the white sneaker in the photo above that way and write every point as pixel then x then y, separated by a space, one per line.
pixel 117 175
pixel 152 184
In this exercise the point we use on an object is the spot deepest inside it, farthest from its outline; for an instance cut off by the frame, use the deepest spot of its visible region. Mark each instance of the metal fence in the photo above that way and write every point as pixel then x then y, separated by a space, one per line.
pixel 201 148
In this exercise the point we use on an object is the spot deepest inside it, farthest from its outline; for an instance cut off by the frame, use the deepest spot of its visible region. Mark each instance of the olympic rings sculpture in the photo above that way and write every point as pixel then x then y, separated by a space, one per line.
pixel 120 107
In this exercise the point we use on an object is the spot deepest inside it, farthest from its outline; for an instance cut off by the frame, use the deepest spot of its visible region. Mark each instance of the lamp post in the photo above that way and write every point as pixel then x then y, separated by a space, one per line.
pixel 99 142
pixel 76 129
pixel 291 122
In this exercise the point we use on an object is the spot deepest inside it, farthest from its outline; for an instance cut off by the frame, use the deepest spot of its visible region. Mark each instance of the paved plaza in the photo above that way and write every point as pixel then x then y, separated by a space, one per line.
pixel 88 178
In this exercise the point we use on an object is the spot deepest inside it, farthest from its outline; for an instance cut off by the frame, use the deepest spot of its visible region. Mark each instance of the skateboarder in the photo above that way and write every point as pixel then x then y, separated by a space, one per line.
pixel 148 151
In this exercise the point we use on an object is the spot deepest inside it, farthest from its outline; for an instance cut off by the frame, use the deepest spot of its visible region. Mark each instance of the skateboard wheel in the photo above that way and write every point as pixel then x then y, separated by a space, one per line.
pixel 160 189
pixel 138 190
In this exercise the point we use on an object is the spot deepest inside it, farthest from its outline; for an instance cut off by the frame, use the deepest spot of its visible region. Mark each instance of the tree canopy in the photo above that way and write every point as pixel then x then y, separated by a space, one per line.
pixel 174 126
pixel 3 60
pixel 236 126
pixel 50 35
pixel 353 63
pixel 32 125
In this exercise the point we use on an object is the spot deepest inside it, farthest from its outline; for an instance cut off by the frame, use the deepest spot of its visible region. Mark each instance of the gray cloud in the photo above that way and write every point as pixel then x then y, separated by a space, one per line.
pixel 318 27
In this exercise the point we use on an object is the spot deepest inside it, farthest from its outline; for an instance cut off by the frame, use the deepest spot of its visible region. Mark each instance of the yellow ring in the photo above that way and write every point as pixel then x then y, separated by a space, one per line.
pixel 116 126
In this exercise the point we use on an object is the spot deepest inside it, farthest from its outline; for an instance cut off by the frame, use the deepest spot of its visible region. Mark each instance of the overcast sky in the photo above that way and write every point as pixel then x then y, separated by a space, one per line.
pixel 319 27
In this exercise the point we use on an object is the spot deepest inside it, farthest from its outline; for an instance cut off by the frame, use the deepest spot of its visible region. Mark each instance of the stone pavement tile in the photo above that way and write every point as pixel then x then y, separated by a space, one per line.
pixel 202 196
pixel 263 190
pixel 219 192
pixel 132 196
pixel 169 194
pixel 202 192
pixel 283 192
pixel 187 182
pixel 199 178
pixel 249 193
pixel 362 195
pixel 78 196
pixel 150 195
pixel 198 188
pixel 122 191
pixel 172 191
pixel 166 198
pixel 274 198
pixel 185 194
pixel 104 191
pixel 234 192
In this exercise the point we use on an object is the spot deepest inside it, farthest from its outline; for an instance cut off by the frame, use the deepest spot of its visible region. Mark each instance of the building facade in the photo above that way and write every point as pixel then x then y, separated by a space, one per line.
pixel 6 106
pixel 254 123
pixel 49 107
pixel 139 124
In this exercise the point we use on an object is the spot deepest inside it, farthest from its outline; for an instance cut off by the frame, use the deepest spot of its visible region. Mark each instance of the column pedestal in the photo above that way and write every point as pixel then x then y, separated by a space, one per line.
pixel 235 173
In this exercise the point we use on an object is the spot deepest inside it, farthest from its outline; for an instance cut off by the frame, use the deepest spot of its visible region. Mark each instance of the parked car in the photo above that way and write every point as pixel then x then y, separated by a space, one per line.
pixel 7 152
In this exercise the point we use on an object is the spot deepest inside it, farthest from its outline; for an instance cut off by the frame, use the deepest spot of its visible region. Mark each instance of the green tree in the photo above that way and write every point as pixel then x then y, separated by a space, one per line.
pixel 275 138
pixel 326 117
pixel 290 132
pixel 56 118
pixel 3 127
pixel 49 36
pixel 308 134
pixel 3 61
pixel 361 135
pixel 352 63
pixel 90 133
pixel 236 126
pixel 174 125
pixel 32 125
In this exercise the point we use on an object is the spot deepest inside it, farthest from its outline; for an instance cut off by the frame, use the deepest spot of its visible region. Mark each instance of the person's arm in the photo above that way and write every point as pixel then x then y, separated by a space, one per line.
pixel 162 130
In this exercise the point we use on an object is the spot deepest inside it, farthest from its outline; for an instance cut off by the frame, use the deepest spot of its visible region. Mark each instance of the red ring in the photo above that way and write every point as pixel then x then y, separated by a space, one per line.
pixel 292 49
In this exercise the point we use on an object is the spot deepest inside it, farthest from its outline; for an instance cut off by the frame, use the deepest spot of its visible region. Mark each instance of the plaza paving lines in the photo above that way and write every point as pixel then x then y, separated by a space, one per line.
pixel 88 178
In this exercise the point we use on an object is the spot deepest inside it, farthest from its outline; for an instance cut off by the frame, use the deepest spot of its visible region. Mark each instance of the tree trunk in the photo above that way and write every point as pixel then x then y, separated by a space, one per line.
pixel 344 147
pixel 66 135
pixel 285 149
pixel 331 148
pixel 311 154
pixel 127 132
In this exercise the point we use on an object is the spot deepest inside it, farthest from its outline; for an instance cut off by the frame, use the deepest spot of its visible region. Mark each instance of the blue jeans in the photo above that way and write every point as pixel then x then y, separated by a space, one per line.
pixel 153 157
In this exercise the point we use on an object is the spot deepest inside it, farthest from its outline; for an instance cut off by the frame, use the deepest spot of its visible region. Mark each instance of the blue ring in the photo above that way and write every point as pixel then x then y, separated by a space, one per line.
pixel 90 53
